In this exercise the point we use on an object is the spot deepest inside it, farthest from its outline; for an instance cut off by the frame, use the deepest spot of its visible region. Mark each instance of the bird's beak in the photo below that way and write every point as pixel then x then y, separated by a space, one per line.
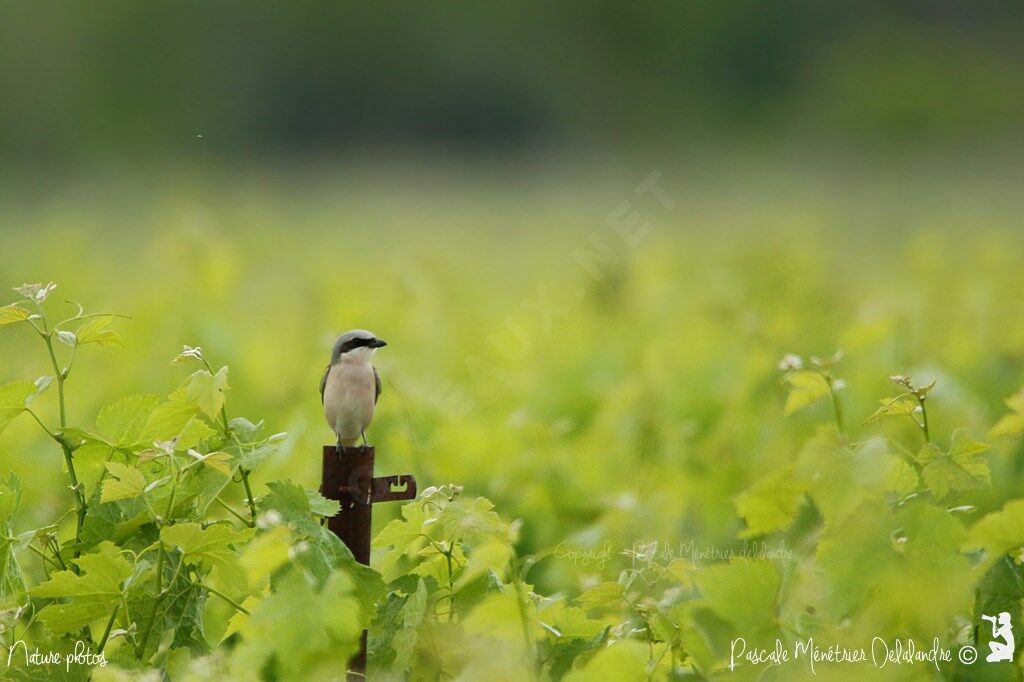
pixel 378 343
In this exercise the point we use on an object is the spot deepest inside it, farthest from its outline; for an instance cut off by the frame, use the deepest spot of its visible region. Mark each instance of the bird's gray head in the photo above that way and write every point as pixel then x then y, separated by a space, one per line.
pixel 354 340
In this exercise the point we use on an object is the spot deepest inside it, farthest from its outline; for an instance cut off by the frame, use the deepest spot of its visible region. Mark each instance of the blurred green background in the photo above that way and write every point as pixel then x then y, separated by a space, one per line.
pixel 256 178
pixel 122 80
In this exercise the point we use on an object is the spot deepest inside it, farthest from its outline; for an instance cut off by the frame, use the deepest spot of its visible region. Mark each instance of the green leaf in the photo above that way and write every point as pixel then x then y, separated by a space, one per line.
pixel 265 554
pixel 14 397
pixel 567 651
pixel 624 661
pixel 865 561
pixel 123 421
pixel 206 391
pixel 320 505
pixel 299 627
pixel 744 593
pixel 404 536
pixel 194 432
pixel 571 622
pixel 218 461
pixel 127 482
pixel 894 407
pixel 322 551
pixel 90 464
pixel 507 615
pixel 805 388
pixel 959 470
pixel 472 520
pixel 1011 424
pixel 95 331
pixel 601 595
pixel 168 421
pixel 1008 425
pixel 9 314
pixel 94 593
pixel 207 547
pixel 771 504
pixel 201 485
pixel 12 582
pixel 491 555
pixel 393 638
pixel 900 477
pixel 999 532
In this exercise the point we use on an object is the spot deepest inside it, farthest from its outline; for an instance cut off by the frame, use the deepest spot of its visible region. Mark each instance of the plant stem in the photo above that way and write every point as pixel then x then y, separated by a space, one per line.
pixel 39 421
pixel 43 556
pixel 451 585
pixel 79 495
pixel 924 420
pixel 228 508
pixel 531 646
pixel 238 607
pixel 141 648
pixel 55 548
pixel 106 632
pixel 244 472
pixel 248 497
pixel 61 376
pixel 836 406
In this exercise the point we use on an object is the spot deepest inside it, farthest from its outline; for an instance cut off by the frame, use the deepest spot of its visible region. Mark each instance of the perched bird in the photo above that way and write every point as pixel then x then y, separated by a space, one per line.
pixel 351 386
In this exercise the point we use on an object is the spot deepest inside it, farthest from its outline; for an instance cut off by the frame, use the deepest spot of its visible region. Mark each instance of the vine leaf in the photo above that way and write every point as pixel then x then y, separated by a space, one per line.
pixel 93 594
pixel 207 547
pixel 127 482
pixel 124 420
pixel 743 592
pixel 95 331
pixel 601 595
pixel 1011 424
pixel 958 470
pixel 14 399
pixel 999 532
pixel 9 314
pixel 805 387
pixel 12 582
pixel 289 629
pixel 624 660
pixel 771 504
pixel 206 391
pixel 322 552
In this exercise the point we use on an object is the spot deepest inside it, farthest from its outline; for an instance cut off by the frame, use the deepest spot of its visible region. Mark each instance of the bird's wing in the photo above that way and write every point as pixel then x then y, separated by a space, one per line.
pixel 323 383
pixel 376 380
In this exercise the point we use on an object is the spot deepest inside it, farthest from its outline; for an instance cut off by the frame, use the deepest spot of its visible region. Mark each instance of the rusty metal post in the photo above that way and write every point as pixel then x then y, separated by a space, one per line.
pixel 348 478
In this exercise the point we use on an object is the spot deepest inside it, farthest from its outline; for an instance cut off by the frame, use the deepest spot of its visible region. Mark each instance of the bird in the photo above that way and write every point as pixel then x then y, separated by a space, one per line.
pixel 350 386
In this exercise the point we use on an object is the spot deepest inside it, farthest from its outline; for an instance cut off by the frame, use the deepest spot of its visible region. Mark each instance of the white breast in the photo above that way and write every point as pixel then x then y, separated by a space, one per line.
pixel 349 396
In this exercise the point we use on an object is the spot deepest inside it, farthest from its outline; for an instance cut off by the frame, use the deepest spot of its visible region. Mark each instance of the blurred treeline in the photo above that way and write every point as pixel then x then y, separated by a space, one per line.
pixel 148 78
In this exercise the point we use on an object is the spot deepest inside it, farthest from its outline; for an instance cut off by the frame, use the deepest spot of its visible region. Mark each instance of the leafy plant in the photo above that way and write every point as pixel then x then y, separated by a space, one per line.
pixel 154 566
pixel 133 577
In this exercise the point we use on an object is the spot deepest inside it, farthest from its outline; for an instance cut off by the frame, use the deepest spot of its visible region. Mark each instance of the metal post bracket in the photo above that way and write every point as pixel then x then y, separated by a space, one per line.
pixel 384 488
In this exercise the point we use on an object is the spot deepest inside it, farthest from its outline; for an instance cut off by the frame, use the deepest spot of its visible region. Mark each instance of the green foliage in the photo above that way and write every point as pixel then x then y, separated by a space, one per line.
pixel 173 576
pixel 1011 424
pixel 93 594
pixel 959 470
pixel 12 582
